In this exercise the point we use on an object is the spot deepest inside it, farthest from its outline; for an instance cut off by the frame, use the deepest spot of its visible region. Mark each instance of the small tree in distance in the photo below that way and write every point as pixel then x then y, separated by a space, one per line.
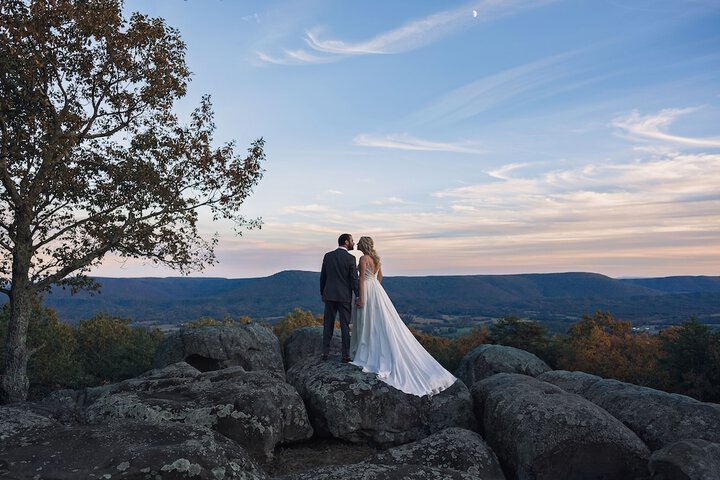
pixel 93 160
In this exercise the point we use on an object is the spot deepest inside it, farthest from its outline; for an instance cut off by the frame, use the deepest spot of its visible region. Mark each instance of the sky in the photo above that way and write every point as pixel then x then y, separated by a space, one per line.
pixel 482 137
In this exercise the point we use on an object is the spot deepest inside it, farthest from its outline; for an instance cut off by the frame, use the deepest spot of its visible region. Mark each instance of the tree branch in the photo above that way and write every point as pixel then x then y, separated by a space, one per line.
pixel 78 264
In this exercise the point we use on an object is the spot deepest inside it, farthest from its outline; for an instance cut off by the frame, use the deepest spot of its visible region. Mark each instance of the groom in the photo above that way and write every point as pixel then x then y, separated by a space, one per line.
pixel 338 282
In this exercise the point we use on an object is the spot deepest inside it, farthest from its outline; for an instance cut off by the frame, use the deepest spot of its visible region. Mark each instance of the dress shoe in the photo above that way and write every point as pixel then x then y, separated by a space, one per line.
pixel 345 360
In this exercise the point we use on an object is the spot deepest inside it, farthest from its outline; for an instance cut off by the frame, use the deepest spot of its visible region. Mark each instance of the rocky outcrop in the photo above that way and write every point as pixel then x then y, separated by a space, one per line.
pixel 345 403
pixel 453 448
pixel 686 460
pixel 361 471
pixel 305 344
pixel 250 346
pixel 126 449
pixel 659 418
pixel 540 431
pixel 16 423
pixel 179 422
pixel 487 360
pixel 256 409
pixel 573 382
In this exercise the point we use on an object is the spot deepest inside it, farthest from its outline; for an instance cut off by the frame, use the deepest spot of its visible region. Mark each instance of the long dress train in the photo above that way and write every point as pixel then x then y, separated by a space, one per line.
pixel 382 344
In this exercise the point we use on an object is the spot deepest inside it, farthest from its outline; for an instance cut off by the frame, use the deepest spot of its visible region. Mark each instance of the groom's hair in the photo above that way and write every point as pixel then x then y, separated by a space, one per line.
pixel 342 238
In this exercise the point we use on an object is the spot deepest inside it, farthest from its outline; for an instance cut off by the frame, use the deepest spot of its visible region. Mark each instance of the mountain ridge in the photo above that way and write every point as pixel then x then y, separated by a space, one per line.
pixel 540 296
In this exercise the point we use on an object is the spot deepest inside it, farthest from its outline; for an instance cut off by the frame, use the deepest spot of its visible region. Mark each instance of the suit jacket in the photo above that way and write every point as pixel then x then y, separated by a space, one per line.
pixel 338 276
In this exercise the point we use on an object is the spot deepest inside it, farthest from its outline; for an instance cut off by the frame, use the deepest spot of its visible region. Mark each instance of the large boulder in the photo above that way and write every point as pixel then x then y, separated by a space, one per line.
pixel 540 431
pixel 658 417
pixel 487 360
pixel 256 409
pixel 305 344
pixel 126 449
pixel 686 460
pixel 345 403
pixel 361 471
pixel 453 448
pixel 573 382
pixel 251 346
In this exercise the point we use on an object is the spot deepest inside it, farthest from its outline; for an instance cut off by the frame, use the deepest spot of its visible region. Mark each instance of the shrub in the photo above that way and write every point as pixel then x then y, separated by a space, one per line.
pixel 209 321
pixel 111 350
pixel 296 319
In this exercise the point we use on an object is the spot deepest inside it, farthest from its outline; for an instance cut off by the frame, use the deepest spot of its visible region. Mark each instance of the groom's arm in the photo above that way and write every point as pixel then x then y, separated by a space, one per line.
pixel 353 276
pixel 323 275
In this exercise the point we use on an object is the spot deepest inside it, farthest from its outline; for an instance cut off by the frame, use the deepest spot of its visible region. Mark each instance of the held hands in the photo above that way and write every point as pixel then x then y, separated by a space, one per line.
pixel 359 302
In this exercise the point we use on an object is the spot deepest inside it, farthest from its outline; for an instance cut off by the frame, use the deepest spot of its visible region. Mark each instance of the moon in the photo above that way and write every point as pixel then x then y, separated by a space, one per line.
pixel 474 13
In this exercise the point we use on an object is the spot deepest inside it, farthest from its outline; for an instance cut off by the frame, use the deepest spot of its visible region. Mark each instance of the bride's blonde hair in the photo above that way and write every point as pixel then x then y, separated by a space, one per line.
pixel 367 246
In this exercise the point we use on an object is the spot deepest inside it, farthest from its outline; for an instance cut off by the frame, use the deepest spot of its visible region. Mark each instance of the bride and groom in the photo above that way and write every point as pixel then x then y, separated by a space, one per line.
pixel 380 343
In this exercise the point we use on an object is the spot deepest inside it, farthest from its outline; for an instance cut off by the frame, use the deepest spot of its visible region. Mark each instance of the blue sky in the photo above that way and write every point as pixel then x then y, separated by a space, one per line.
pixel 486 137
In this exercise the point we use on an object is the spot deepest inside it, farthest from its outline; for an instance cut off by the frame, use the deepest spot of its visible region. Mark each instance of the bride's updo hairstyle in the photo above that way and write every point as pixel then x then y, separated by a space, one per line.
pixel 367 246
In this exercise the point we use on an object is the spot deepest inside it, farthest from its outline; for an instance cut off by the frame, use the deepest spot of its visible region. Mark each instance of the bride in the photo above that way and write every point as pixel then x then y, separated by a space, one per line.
pixel 382 344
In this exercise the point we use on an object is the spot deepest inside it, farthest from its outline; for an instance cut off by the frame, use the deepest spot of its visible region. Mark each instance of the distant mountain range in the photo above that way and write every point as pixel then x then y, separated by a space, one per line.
pixel 555 297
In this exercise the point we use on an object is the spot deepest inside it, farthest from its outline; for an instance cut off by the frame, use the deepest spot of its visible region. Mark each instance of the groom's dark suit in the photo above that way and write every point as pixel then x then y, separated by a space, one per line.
pixel 338 281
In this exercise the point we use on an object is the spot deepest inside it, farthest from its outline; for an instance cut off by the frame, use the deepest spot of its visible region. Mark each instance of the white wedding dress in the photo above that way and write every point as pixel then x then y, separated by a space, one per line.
pixel 382 344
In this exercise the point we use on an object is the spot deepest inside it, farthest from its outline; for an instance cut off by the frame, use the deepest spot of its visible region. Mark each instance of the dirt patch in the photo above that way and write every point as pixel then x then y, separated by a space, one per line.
pixel 300 457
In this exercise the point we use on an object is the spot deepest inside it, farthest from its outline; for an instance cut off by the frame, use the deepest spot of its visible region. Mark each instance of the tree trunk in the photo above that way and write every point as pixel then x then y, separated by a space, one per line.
pixel 14 383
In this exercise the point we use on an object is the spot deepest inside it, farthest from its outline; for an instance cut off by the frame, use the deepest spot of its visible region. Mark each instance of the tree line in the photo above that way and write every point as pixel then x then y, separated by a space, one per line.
pixel 105 349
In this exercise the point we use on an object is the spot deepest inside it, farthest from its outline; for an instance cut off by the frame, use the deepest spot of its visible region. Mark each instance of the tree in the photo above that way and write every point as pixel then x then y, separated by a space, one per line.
pixel 54 364
pixel 528 335
pixel 523 334
pixel 111 350
pixel 297 318
pixel 608 347
pixel 450 351
pixel 92 159
pixel 692 359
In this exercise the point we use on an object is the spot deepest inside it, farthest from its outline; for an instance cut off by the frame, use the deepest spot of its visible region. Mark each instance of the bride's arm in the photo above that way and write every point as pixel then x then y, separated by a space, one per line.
pixel 361 286
pixel 379 275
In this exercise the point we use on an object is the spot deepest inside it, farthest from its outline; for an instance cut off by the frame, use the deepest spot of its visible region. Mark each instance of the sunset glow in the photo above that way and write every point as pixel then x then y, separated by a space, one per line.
pixel 529 136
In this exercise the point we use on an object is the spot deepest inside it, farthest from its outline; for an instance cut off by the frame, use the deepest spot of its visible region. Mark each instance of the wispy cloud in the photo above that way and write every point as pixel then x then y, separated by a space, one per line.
pixel 653 127
pixel 503 173
pixel 632 191
pixel 409 36
pixel 255 17
pixel 539 79
pixel 296 57
pixel 406 142
pixel 311 209
pixel 390 201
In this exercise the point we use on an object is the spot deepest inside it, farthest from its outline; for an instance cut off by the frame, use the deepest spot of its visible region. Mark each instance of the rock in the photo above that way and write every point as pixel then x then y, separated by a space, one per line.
pixel 251 346
pixel 487 360
pixel 256 409
pixel 686 460
pixel 127 449
pixel 305 344
pixel 345 403
pixel 453 448
pixel 540 431
pixel 573 382
pixel 360 471
pixel 658 417
pixel 17 423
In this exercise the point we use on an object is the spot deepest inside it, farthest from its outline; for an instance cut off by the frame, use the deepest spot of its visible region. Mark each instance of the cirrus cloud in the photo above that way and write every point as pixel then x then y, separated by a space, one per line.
pixel 404 141
pixel 653 127
pixel 409 36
